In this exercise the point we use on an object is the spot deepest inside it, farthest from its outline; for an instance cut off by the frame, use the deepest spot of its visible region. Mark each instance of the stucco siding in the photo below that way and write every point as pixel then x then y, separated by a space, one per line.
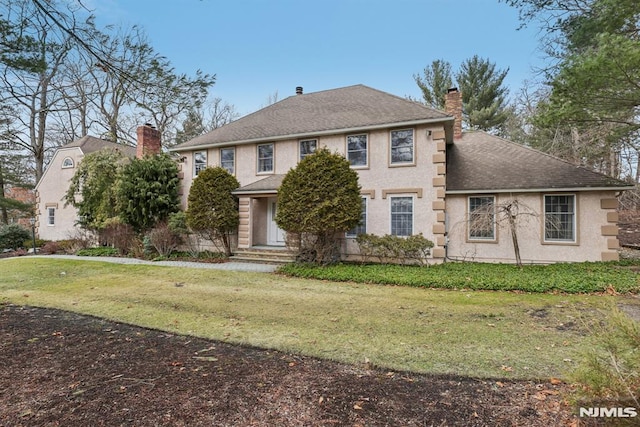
pixel 591 244
pixel 50 194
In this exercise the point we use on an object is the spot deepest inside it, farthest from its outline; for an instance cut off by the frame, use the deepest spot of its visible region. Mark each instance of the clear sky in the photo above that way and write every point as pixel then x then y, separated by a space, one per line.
pixel 258 47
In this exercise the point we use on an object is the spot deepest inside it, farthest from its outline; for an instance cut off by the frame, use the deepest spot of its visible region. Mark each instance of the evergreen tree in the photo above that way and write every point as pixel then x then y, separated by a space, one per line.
pixel 213 210
pixel 318 201
pixel 147 191
pixel 483 94
pixel 435 83
pixel 484 103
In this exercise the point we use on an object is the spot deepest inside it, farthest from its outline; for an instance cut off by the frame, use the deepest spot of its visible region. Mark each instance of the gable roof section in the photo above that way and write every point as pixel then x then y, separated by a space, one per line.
pixel 352 108
pixel 483 163
pixel 90 144
pixel 266 185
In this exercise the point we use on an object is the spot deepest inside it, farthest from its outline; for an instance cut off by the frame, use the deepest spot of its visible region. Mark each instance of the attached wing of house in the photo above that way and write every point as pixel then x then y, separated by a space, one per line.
pixel 416 177
pixel 54 220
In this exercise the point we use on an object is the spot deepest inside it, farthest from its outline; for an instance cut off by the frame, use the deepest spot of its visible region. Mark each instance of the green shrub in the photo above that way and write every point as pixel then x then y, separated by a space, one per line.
pixel 13 236
pixel 102 251
pixel 29 243
pixel 413 249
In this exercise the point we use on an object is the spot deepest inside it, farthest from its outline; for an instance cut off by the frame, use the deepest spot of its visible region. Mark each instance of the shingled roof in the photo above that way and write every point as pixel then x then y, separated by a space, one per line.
pixel 90 144
pixel 482 163
pixel 345 109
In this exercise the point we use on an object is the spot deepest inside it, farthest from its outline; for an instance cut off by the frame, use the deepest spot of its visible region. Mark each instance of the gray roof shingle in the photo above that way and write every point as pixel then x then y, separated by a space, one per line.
pixel 352 107
pixel 266 185
pixel 90 144
pixel 480 162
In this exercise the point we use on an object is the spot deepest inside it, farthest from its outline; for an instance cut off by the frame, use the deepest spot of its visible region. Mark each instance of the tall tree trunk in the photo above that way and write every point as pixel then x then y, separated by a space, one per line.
pixel 3 207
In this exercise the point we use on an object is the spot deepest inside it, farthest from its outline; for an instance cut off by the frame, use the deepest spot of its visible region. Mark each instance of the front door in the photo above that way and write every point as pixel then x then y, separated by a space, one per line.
pixel 275 235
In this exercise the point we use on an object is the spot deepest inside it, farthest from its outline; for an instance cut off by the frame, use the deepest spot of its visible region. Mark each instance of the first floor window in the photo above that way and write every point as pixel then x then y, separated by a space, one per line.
pixel 51 216
pixel 265 158
pixel 402 216
pixel 308 147
pixel 199 162
pixel 482 218
pixel 357 150
pixel 560 218
pixel 402 146
pixel 228 159
pixel 361 228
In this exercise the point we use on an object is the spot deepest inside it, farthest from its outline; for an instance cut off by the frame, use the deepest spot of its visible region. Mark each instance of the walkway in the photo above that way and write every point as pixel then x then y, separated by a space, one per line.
pixel 229 266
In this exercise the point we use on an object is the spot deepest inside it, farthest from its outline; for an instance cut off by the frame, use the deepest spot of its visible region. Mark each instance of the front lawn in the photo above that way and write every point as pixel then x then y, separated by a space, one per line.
pixel 486 334
pixel 585 277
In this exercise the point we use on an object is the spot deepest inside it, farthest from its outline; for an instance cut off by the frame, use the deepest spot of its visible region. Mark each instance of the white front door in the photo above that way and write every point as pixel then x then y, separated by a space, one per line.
pixel 275 235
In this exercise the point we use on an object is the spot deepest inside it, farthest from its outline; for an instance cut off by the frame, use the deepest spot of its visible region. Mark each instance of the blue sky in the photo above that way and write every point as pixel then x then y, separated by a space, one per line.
pixel 258 47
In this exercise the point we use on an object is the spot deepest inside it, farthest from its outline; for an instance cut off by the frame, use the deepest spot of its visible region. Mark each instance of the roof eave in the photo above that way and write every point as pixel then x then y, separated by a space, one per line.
pixel 253 192
pixel 310 134
pixel 539 190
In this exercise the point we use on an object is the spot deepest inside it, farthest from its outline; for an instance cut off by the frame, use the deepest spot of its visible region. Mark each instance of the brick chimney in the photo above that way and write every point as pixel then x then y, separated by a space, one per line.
pixel 148 141
pixel 453 107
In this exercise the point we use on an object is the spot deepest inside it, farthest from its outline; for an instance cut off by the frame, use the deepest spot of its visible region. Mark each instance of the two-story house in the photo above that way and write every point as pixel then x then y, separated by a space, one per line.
pixel 419 174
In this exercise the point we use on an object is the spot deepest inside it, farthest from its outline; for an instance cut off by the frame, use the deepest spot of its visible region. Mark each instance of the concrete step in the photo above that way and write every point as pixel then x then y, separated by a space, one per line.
pixel 270 256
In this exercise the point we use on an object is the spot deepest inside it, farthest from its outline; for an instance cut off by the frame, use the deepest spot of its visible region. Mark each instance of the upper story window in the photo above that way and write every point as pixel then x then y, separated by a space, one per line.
pixel 228 159
pixel 402 147
pixel 265 158
pixel 402 216
pixel 357 153
pixel 560 218
pixel 199 162
pixel 67 163
pixel 482 225
pixel 361 228
pixel 51 216
pixel 307 147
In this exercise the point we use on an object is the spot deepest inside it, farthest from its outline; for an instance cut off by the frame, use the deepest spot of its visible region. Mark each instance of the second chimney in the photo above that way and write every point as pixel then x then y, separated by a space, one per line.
pixel 148 141
pixel 299 90
pixel 453 107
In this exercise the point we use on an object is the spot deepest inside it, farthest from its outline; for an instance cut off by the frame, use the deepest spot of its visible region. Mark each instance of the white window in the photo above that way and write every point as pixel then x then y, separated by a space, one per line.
pixel 482 218
pixel 560 218
pixel 265 158
pixel 402 216
pixel 67 163
pixel 228 159
pixel 307 147
pixel 51 216
pixel 199 162
pixel 402 146
pixel 361 228
pixel 357 150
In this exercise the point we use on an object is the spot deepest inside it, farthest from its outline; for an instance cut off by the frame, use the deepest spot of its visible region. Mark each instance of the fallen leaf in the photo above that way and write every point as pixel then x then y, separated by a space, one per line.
pixel 357 407
pixel 555 381
pixel 320 400
pixel 499 384
pixel 506 368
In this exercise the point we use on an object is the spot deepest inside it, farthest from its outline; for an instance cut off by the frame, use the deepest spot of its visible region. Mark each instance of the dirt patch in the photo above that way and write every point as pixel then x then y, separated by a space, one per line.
pixel 60 368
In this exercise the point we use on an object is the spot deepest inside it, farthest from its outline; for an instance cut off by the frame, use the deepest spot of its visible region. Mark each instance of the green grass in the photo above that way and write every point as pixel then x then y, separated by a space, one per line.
pixel 570 278
pixel 486 334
